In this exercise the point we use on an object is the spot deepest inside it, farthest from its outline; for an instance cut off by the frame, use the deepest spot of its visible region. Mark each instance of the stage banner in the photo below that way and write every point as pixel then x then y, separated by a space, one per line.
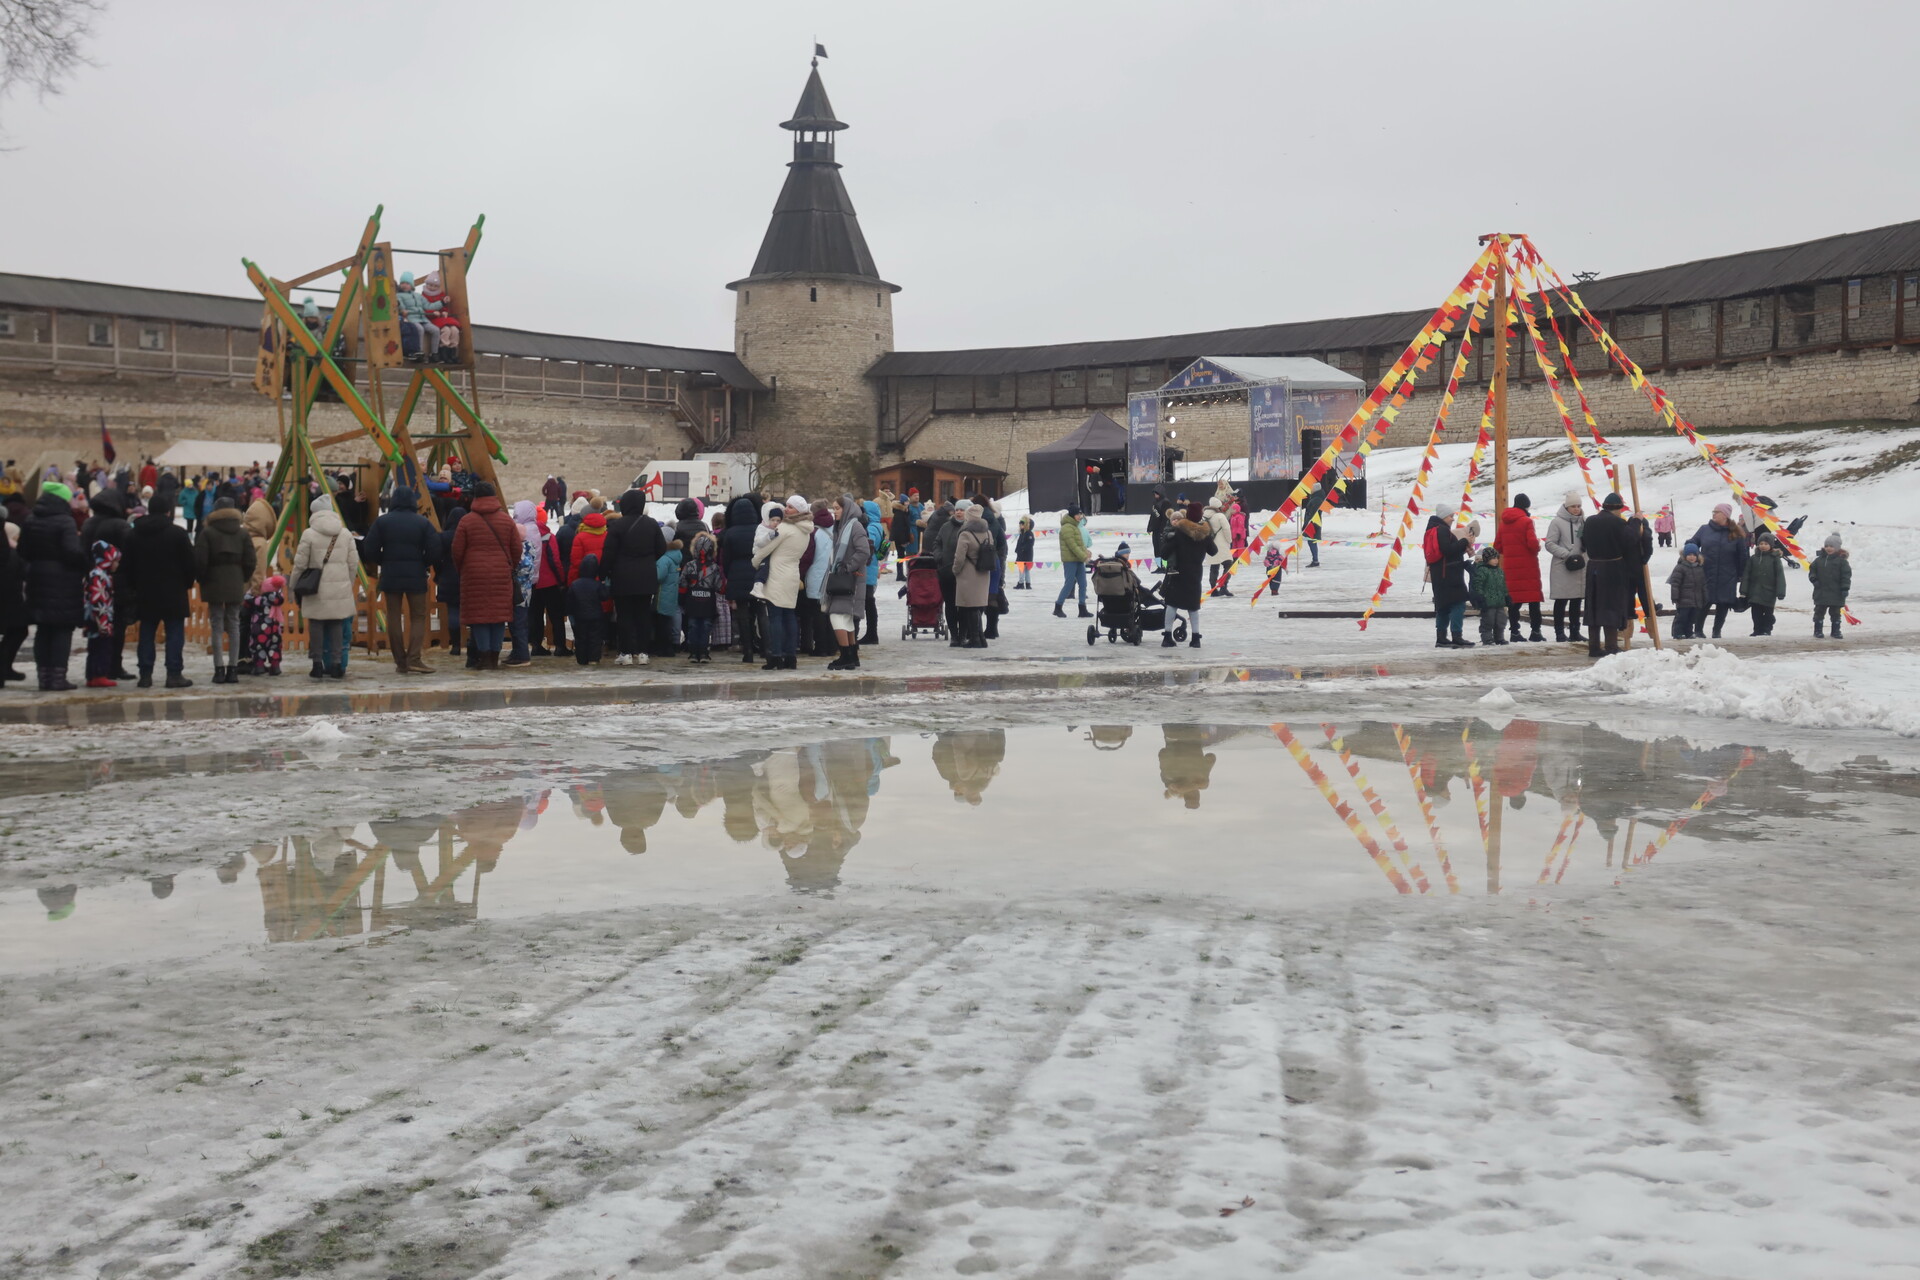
pixel 1274 447
pixel 1143 438
pixel 1322 411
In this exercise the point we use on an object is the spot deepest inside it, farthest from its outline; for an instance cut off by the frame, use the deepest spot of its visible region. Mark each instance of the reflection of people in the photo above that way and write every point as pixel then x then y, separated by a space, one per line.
pixel 1185 770
pixel 635 800
pixel 968 759
pixel 58 899
pixel 1109 737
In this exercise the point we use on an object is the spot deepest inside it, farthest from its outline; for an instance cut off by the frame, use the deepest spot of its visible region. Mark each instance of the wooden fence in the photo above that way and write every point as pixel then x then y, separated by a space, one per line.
pixel 369 624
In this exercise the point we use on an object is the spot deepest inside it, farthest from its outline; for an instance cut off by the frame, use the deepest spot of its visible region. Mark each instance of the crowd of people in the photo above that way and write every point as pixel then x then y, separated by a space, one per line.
pixel 1597 573
pixel 576 576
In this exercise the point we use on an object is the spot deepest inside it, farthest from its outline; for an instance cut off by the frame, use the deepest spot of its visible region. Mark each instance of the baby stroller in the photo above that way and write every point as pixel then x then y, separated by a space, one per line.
pixel 1128 608
pixel 925 605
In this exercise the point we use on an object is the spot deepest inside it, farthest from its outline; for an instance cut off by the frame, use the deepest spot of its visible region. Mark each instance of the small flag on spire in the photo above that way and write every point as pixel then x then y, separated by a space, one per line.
pixel 819 50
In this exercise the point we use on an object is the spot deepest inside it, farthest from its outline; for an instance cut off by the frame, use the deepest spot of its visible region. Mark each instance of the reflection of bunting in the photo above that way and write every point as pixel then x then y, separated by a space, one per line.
pixel 1426 807
pixel 1379 806
pixel 1569 832
pixel 1478 783
pixel 1713 792
pixel 1325 786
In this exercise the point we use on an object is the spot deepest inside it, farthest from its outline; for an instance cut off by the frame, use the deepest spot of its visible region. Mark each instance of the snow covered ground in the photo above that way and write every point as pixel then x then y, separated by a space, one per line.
pixel 1039 1015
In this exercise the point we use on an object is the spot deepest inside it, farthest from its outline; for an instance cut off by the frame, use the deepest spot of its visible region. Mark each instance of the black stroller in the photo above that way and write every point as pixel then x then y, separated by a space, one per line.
pixel 1127 607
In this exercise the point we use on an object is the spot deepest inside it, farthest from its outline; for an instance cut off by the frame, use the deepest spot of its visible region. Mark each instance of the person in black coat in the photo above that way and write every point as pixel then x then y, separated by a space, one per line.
pixel 586 610
pixel 446 582
pixel 108 524
pixel 159 569
pixel 14 619
pixel 1446 554
pixel 1190 541
pixel 1157 525
pixel 1613 550
pixel 736 559
pixel 630 566
pixel 687 523
pixel 57 566
pixel 404 545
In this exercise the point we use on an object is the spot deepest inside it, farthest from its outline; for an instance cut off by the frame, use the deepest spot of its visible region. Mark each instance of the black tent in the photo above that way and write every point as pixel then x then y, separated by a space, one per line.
pixel 1057 473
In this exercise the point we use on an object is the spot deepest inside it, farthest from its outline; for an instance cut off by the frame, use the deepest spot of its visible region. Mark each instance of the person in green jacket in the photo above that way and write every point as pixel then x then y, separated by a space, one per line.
pixel 1488 589
pixel 1832 576
pixel 1073 562
pixel 1764 582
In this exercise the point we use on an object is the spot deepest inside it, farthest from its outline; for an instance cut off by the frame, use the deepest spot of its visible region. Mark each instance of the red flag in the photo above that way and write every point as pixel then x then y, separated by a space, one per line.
pixel 106 440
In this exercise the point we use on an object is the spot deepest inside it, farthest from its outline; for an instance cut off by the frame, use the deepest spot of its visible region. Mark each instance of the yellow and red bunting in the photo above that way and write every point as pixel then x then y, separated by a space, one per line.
pixel 1600 444
pixel 1551 375
pixel 1426 807
pixel 1713 792
pixel 1479 456
pixel 1419 354
pixel 1379 806
pixel 1325 786
pixel 1662 404
pixel 1465 354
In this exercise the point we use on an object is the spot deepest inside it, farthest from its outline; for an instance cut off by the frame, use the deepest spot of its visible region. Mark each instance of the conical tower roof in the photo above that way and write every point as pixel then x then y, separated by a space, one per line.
pixel 814 231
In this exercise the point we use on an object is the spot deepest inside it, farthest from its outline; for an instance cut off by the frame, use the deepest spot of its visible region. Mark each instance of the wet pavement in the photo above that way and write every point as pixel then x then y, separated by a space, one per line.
pixel 1278 816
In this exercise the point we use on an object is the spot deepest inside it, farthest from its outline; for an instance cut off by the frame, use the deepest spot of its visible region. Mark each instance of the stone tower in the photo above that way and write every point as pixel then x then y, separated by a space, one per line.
pixel 813 316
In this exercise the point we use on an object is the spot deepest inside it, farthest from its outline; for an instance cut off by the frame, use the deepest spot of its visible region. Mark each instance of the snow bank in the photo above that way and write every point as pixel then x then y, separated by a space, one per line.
pixel 1497 700
pixel 323 732
pixel 1711 681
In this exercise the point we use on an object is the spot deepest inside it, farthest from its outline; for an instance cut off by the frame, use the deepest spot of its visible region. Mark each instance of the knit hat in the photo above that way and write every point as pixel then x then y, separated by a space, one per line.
pixel 58 490
pixel 796 503
pixel 771 510
pixel 1195 511
pixel 1572 498
pixel 1832 543
pixel 223 504
pixel 823 519
pixel 1691 549
pixel 1446 510
pixel 1613 502
pixel 1523 502
pixel 322 503
pixel 1122 549
pixel 1724 509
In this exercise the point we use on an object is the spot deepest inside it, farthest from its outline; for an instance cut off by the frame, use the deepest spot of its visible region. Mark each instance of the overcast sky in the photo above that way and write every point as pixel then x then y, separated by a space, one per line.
pixel 1028 172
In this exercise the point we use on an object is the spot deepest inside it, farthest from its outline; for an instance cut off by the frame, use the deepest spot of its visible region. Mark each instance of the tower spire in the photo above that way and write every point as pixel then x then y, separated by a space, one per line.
pixel 814 230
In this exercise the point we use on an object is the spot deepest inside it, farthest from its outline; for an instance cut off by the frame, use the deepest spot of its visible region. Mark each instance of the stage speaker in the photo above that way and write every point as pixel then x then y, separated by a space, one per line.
pixel 1311 444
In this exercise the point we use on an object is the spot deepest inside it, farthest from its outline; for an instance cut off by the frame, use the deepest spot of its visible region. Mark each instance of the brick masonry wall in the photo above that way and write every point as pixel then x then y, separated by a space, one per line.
pixel 593 444
pixel 1835 387
pixel 815 340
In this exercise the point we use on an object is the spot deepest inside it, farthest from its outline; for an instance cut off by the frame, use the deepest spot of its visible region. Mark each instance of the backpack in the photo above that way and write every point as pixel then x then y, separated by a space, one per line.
pixel 983 556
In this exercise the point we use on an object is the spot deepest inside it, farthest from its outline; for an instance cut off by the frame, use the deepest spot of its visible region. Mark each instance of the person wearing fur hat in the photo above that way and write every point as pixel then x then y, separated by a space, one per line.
pixel 1446 555
pixel 1190 544
pixel 1567 578
pixel 782 554
pixel 1832 576
pixel 225 558
pixel 1221 528
pixel 1612 550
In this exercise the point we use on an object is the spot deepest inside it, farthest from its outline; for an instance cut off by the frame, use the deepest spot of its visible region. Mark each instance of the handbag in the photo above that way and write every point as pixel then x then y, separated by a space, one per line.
pixel 1576 562
pixel 308 583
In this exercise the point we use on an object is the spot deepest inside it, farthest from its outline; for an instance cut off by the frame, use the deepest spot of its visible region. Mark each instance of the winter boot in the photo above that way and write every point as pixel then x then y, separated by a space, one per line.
pixel 1085 612
pixel 1193 641
pixel 1167 641
pixel 177 681
pixel 840 663
pixel 1059 609
pixel 146 679
pixel 54 680
pixel 318 670
pixel 338 671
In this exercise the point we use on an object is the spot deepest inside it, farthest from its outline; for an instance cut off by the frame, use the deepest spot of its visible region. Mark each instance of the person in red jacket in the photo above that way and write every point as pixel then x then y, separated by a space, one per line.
pixel 589 540
pixel 486 549
pixel 1519 548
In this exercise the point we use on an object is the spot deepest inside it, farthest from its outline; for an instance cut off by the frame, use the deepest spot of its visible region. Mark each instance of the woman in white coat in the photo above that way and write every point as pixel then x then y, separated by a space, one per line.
pixel 781 554
pixel 329 612
pixel 1221 528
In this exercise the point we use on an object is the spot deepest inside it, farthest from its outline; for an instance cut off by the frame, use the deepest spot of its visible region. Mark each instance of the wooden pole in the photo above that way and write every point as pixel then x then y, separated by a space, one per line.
pixel 1500 304
pixel 1493 838
pixel 1646 572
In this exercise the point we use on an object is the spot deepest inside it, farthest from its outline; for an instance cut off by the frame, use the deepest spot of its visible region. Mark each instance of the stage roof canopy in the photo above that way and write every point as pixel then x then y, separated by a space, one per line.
pixel 1303 373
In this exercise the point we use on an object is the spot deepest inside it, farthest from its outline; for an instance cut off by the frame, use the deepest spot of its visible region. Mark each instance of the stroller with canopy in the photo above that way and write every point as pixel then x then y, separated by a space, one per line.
pixel 926 607
pixel 1127 607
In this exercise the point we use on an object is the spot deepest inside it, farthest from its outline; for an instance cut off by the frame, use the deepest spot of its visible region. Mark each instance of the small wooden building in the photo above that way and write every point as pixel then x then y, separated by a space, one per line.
pixel 940 480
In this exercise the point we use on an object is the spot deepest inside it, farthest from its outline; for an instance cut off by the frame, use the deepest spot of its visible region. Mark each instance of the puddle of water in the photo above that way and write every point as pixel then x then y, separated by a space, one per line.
pixel 1273 816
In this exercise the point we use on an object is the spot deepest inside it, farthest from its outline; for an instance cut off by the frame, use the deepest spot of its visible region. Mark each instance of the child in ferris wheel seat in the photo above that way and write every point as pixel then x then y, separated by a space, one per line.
pixel 418 336
pixel 445 325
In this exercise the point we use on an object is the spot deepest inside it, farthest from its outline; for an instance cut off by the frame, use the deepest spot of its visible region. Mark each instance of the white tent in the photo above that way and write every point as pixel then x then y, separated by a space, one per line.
pixel 223 455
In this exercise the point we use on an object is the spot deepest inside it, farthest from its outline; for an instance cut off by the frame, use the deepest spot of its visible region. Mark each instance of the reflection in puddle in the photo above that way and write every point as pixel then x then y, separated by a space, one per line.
pixel 1276 816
